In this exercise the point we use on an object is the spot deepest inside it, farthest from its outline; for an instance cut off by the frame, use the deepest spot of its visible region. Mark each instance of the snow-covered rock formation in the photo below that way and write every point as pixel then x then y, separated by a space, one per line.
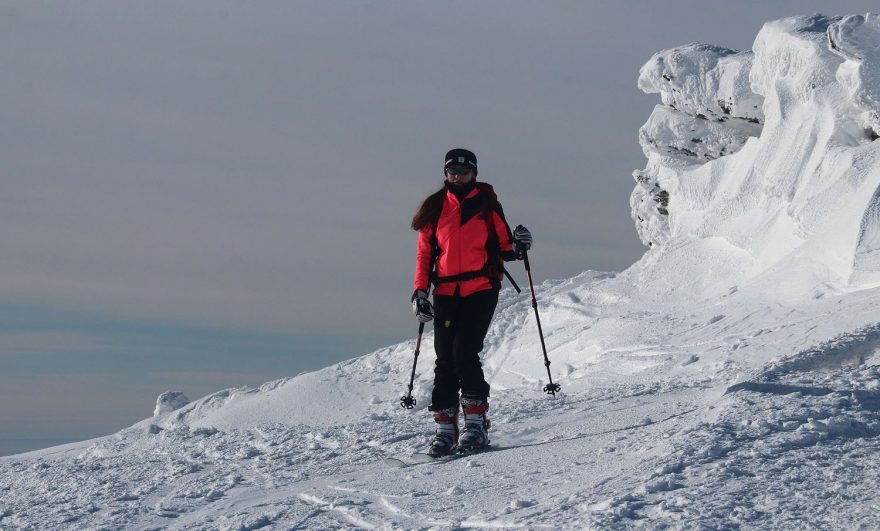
pixel 762 162
pixel 170 401
pixel 730 378
pixel 708 111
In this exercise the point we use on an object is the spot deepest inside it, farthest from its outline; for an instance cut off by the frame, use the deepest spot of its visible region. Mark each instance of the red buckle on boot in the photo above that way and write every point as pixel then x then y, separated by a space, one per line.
pixel 478 409
pixel 444 418
pixel 473 405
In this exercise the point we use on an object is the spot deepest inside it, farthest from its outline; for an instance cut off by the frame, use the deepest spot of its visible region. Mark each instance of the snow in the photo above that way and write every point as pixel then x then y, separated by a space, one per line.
pixel 729 378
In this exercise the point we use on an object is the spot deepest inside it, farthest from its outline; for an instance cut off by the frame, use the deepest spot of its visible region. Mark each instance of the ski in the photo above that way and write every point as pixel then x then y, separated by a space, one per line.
pixel 420 458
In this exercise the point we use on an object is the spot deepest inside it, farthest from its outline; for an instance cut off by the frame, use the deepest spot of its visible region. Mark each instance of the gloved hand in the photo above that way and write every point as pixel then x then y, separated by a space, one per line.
pixel 422 306
pixel 522 240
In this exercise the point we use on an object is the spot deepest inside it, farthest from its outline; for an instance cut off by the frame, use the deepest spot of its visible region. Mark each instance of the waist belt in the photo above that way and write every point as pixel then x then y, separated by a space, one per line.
pixel 468 275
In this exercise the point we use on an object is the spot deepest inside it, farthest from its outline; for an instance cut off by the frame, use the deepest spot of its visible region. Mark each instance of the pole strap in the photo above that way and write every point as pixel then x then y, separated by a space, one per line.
pixel 510 278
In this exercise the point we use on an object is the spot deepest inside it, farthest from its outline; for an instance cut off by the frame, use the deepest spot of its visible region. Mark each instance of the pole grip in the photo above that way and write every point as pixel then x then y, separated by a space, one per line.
pixel 525 253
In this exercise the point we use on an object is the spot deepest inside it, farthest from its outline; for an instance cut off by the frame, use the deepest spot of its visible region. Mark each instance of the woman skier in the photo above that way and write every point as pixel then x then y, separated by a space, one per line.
pixel 463 241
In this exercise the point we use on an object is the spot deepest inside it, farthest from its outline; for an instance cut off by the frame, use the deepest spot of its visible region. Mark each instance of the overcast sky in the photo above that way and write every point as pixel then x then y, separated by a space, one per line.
pixel 214 193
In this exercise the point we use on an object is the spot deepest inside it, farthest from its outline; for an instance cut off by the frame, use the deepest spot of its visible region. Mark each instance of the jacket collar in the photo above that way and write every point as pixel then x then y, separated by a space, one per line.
pixel 472 188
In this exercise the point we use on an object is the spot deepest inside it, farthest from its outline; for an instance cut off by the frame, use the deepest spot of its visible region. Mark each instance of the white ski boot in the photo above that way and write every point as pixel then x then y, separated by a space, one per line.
pixel 447 432
pixel 475 434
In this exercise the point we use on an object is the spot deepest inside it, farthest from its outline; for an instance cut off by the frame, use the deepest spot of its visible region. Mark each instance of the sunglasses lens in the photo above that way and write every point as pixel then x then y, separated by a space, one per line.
pixel 458 170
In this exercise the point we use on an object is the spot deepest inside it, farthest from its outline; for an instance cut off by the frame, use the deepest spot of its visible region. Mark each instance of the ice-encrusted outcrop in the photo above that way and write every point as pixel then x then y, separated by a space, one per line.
pixel 857 40
pixel 708 111
pixel 762 163
pixel 703 79
pixel 170 401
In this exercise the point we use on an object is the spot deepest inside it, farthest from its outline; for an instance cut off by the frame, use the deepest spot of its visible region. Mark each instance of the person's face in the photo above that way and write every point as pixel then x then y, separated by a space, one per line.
pixel 459 174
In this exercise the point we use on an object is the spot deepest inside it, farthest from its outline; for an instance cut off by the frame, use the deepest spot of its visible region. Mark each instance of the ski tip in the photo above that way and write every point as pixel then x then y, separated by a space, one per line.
pixel 393 462
pixel 423 458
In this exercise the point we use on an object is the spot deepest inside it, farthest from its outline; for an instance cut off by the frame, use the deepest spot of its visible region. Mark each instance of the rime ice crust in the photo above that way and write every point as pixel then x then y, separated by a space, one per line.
pixel 708 111
pixel 856 39
pixel 762 162
pixel 702 79
pixel 694 138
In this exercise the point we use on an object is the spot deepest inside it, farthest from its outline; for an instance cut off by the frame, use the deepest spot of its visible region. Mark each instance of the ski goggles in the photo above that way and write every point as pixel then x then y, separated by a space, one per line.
pixel 458 170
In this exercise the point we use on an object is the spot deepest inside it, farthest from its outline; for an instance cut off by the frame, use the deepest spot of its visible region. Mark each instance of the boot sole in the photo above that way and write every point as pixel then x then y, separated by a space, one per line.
pixel 471 448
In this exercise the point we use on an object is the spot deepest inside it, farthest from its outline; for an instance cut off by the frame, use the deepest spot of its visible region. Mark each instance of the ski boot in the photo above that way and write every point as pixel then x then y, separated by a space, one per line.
pixel 475 434
pixel 447 432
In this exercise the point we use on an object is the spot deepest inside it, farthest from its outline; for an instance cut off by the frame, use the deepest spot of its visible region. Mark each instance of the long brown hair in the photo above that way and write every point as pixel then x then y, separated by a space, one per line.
pixel 429 212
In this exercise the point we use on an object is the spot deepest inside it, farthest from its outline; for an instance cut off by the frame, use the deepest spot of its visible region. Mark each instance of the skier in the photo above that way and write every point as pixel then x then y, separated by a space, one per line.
pixel 463 241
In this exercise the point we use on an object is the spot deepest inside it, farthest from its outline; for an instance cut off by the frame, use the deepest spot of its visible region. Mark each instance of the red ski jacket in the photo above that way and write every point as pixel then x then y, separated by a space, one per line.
pixel 472 238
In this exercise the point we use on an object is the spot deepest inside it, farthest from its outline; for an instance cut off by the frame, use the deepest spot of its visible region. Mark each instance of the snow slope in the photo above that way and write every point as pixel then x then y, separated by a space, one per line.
pixel 729 378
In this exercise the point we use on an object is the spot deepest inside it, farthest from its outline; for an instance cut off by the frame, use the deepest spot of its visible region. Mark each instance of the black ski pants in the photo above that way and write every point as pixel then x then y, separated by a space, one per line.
pixel 460 326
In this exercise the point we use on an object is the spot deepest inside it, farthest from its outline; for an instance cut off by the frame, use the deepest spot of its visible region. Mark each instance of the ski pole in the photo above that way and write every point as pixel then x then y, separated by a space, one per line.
pixel 551 388
pixel 408 402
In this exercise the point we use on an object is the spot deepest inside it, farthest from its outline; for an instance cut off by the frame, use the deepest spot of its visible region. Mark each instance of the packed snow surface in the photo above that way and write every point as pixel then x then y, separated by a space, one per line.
pixel 729 378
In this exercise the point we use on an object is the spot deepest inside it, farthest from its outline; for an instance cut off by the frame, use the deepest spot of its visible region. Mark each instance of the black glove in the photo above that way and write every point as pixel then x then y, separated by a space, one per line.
pixel 422 306
pixel 522 240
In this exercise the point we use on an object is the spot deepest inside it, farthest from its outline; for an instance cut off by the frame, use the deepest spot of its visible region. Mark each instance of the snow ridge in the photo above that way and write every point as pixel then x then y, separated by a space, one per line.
pixel 768 152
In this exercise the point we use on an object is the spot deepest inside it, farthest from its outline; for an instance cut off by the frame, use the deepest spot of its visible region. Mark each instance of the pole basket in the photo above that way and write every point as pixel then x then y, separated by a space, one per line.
pixel 552 388
pixel 407 402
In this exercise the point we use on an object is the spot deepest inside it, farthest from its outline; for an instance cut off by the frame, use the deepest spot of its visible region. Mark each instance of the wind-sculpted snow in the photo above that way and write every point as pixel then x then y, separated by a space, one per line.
pixel 787 191
pixel 730 378
pixel 857 39
pixel 794 51
pixel 708 111
pixel 699 79
pixel 676 134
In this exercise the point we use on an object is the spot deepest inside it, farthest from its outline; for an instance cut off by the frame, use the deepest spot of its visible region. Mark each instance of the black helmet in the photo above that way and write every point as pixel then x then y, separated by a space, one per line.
pixel 460 157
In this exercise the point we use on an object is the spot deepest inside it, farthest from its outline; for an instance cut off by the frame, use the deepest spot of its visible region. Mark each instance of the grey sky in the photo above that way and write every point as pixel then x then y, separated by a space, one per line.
pixel 211 193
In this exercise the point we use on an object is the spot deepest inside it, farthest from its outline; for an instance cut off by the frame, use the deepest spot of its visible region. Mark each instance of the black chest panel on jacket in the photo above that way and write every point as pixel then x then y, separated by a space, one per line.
pixel 472 206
